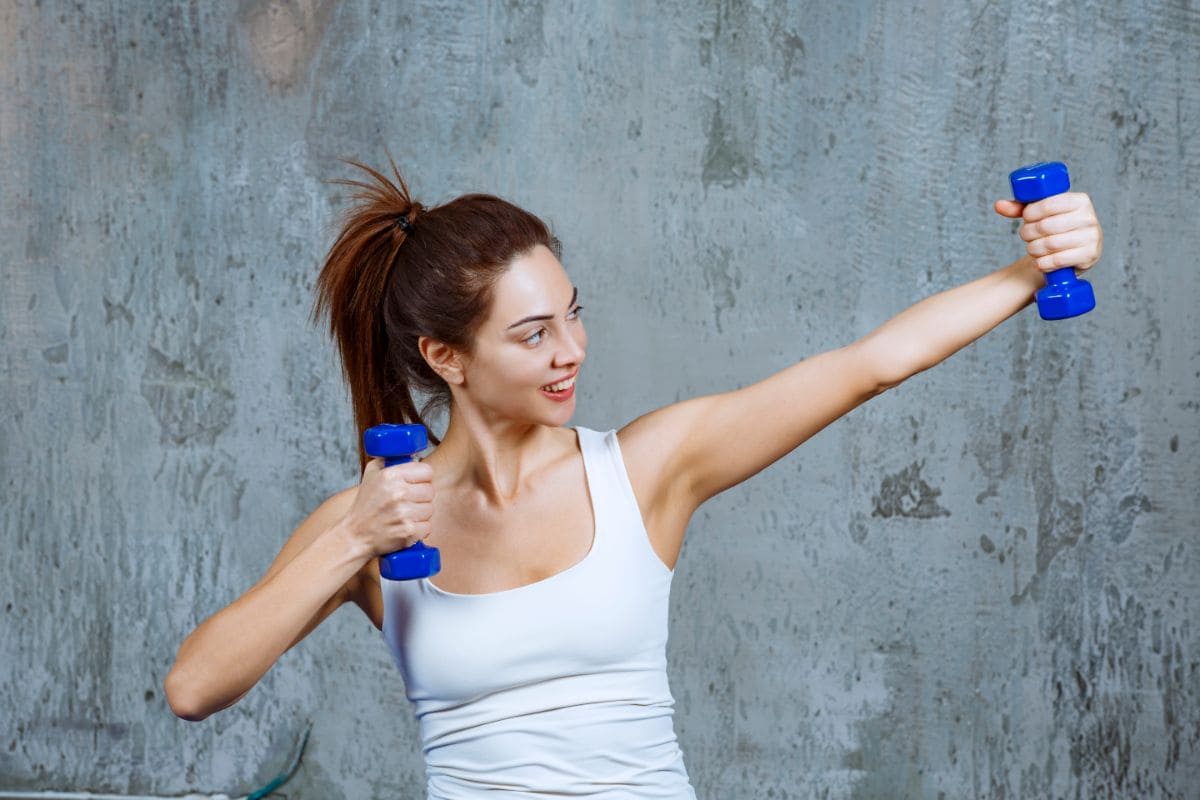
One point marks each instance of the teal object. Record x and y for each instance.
(1064, 295)
(397, 444)
(286, 775)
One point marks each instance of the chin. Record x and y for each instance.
(558, 417)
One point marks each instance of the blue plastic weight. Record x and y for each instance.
(1064, 295)
(397, 444)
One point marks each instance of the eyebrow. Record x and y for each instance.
(541, 317)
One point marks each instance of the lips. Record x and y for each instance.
(560, 397)
(553, 383)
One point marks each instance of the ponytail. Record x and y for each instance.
(398, 271)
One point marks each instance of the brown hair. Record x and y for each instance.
(388, 281)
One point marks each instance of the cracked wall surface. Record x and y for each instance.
(979, 584)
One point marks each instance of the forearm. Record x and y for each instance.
(230, 651)
(939, 326)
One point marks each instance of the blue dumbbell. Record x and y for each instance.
(397, 444)
(1064, 295)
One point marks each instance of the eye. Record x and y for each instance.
(536, 337)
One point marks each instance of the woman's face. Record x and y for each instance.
(531, 339)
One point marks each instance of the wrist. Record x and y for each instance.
(349, 541)
(1026, 271)
(1028, 267)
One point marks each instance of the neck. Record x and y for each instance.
(491, 457)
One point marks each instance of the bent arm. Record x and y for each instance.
(220, 661)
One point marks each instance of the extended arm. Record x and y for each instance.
(683, 454)
(711, 443)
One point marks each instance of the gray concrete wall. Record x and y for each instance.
(981, 584)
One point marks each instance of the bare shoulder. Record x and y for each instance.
(652, 446)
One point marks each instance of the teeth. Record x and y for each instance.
(561, 386)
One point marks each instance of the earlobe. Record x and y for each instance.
(442, 359)
(452, 373)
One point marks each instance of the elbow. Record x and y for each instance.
(183, 701)
(890, 381)
(888, 366)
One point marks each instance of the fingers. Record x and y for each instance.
(419, 492)
(1078, 257)
(1059, 223)
(412, 482)
(421, 512)
(416, 524)
(413, 472)
(394, 506)
(1008, 208)
(1056, 204)
(1062, 231)
(1048, 245)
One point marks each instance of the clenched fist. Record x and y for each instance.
(393, 507)
(1060, 231)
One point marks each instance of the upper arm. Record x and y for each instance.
(705, 445)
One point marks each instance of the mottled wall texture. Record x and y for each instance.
(983, 583)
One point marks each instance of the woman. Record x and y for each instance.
(536, 658)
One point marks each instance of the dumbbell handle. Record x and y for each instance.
(397, 444)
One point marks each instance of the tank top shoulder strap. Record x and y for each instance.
(612, 495)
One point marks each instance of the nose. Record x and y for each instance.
(573, 349)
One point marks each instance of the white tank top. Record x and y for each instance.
(554, 689)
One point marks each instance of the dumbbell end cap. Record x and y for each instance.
(1039, 181)
(394, 440)
(418, 561)
(1063, 301)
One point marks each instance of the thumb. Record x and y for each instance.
(1009, 208)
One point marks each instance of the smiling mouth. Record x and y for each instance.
(561, 386)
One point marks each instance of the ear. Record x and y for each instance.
(442, 359)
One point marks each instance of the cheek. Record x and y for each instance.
(515, 369)
(494, 370)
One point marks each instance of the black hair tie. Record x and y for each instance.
(403, 224)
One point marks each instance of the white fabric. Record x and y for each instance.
(554, 689)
